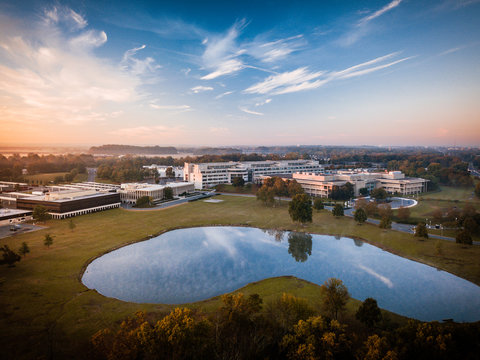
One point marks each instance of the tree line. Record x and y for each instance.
(287, 327)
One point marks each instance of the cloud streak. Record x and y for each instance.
(393, 4)
(245, 110)
(303, 79)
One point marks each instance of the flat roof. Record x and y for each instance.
(5, 213)
(74, 196)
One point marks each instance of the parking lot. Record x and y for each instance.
(23, 228)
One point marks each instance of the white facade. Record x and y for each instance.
(206, 175)
(393, 182)
(131, 192)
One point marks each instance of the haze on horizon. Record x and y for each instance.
(390, 72)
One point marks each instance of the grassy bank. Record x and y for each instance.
(444, 199)
(48, 178)
(45, 308)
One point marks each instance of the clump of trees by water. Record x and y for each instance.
(287, 327)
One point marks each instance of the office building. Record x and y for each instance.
(206, 175)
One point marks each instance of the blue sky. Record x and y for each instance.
(395, 72)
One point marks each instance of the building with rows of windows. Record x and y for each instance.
(206, 175)
(394, 182)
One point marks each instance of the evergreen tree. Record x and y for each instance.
(48, 240)
(337, 210)
(9, 257)
(318, 204)
(24, 249)
(300, 208)
(421, 231)
(360, 216)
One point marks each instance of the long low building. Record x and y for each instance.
(321, 184)
(70, 203)
(206, 175)
(131, 192)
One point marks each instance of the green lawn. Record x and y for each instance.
(444, 199)
(451, 194)
(50, 177)
(44, 306)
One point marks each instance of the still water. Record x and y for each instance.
(194, 264)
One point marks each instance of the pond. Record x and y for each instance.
(195, 264)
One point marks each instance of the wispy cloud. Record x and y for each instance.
(63, 14)
(271, 51)
(261, 103)
(136, 66)
(223, 94)
(56, 76)
(362, 27)
(170, 107)
(200, 88)
(302, 79)
(393, 4)
(148, 132)
(290, 81)
(245, 110)
(221, 53)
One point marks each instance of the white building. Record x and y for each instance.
(393, 182)
(162, 170)
(205, 175)
(131, 192)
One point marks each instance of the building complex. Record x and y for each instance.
(69, 203)
(131, 192)
(321, 184)
(206, 175)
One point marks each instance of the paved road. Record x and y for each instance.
(406, 228)
(5, 230)
(92, 174)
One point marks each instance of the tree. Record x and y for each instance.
(48, 240)
(371, 208)
(238, 181)
(464, 237)
(9, 257)
(421, 230)
(316, 338)
(266, 195)
(337, 210)
(288, 310)
(363, 191)
(40, 214)
(470, 225)
(385, 210)
(369, 313)
(300, 208)
(24, 249)
(403, 213)
(318, 204)
(71, 225)
(334, 297)
(477, 190)
(360, 216)
(379, 194)
(385, 223)
(168, 193)
(144, 201)
(169, 172)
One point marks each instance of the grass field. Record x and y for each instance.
(47, 312)
(444, 199)
(45, 179)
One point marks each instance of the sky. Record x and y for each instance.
(230, 73)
